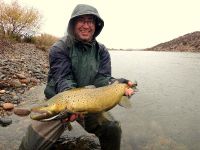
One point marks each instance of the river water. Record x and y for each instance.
(165, 113)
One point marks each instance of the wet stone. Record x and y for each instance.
(25, 81)
(21, 76)
(7, 106)
(2, 91)
(6, 97)
(16, 98)
(15, 83)
(2, 76)
(5, 121)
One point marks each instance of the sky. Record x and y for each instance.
(128, 24)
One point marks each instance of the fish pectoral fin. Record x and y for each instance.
(125, 102)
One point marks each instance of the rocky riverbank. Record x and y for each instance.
(22, 66)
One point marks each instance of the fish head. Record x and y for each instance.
(42, 112)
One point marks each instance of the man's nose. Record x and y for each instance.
(86, 24)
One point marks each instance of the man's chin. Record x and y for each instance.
(85, 39)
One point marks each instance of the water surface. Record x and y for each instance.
(166, 110)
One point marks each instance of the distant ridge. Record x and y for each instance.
(187, 43)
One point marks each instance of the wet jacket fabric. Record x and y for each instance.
(76, 64)
(80, 65)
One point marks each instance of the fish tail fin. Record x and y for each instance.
(125, 102)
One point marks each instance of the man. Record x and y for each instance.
(78, 60)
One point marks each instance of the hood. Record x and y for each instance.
(83, 9)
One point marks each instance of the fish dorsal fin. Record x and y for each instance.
(125, 102)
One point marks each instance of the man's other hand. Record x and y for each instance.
(130, 91)
(73, 117)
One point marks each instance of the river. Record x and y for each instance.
(165, 112)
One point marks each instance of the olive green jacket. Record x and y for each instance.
(76, 64)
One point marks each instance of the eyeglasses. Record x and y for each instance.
(89, 20)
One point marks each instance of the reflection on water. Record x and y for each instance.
(165, 113)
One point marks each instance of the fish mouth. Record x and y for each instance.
(39, 114)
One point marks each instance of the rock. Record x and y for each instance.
(45, 65)
(34, 80)
(21, 112)
(4, 84)
(7, 106)
(25, 81)
(21, 76)
(2, 91)
(5, 121)
(21, 91)
(15, 83)
(2, 76)
(5, 97)
(16, 98)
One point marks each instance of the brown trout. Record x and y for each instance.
(81, 100)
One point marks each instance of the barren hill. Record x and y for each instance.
(189, 42)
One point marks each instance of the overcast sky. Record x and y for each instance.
(128, 23)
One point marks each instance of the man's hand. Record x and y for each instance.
(130, 91)
(72, 117)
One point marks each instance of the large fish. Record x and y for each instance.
(82, 100)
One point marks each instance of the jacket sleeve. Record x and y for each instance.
(103, 76)
(60, 68)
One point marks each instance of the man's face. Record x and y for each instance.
(84, 28)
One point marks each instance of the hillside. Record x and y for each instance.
(189, 42)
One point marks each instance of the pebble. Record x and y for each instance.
(21, 76)
(25, 81)
(15, 83)
(21, 112)
(2, 91)
(16, 98)
(5, 121)
(8, 106)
